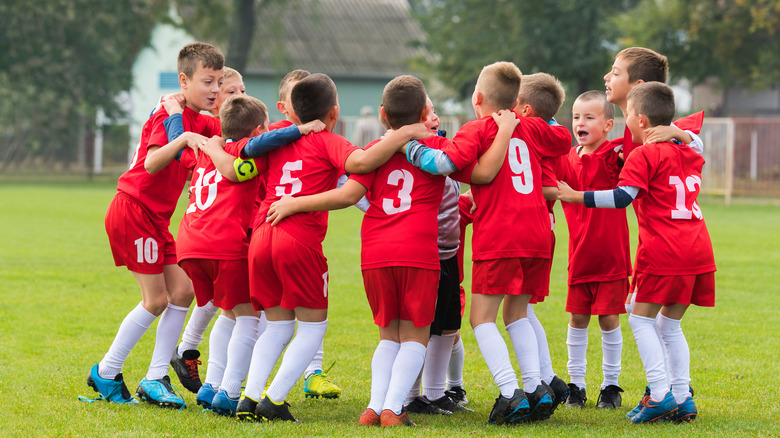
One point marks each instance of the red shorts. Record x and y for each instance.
(462, 301)
(543, 293)
(284, 272)
(510, 276)
(676, 289)
(224, 281)
(402, 292)
(137, 240)
(598, 297)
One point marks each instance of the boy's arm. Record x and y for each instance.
(342, 197)
(621, 197)
(268, 141)
(158, 157)
(223, 161)
(662, 133)
(365, 160)
(363, 203)
(490, 162)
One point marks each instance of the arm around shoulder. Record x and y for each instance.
(336, 199)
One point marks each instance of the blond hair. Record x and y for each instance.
(499, 84)
(543, 92)
(291, 78)
(232, 73)
(588, 96)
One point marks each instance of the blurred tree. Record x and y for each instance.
(570, 39)
(736, 41)
(60, 61)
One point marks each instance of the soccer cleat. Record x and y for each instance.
(577, 397)
(317, 385)
(205, 395)
(686, 411)
(445, 403)
(223, 404)
(656, 410)
(245, 410)
(270, 411)
(388, 419)
(421, 405)
(541, 403)
(457, 394)
(111, 390)
(186, 368)
(560, 391)
(369, 418)
(509, 410)
(159, 392)
(610, 397)
(639, 405)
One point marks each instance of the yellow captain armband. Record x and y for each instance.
(245, 168)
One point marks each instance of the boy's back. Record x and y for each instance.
(673, 239)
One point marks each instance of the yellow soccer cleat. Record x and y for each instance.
(317, 385)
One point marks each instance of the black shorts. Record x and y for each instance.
(448, 301)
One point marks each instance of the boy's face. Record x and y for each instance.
(617, 84)
(432, 120)
(230, 86)
(285, 105)
(202, 89)
(634, 124)
(588, 123)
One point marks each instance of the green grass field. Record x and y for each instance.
(63, 301)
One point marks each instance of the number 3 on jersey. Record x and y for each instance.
(405, 179)
(288, 179)
(520, 164)
(680, 211)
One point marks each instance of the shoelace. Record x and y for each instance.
(192, 367)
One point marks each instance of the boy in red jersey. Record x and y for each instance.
(400, 276)
(137, 225)
(675, 266)
(288, 272)
(599, 258)
(505, 256)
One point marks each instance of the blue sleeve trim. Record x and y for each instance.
(622, 198)
(174, 127)
(268, 141)
(430, 160)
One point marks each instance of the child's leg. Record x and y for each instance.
(407, 365)
(197, 324)
(455, 367)
(523, 340)
(490, 342)
(435, 369)
(545, 361)
(612, 349)
(239, 350)
(219, 340)
(679, 353)
(316, 362)
(651, 351)
(577, 346)
(381, 371)
(414, 392)
(267, 350)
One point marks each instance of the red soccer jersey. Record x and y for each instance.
(400, 227)
(159, 192)
(307, 166)
(599, 247)
(673, 239)
(218, 215)
(692, 122)
(261, 179)
(511, 219)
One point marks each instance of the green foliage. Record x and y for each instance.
(736, 41)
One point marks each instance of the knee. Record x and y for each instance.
(155, 305)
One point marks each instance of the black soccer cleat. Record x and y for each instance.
(447, 404)
(421, 405)
(610, 398)
(560, 390)
(577, 397)
(267, 410)
(509, 410)
(186, 368)
(457, 394)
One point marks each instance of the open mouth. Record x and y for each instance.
(582, 134)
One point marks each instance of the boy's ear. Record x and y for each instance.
(259, 129)
(643, 121)
(334, 112)
(477, 98)
(183, 81)
(526, 110)
(281, 107)
(610, 124)
(382, 114)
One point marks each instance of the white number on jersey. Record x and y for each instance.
(287, 178)
(209, 182)
(146, 250)
(520, 164)
(405, 179)
(680, 211)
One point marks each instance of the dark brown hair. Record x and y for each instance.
(199, 54)
(404, 100)
(313, 97)
(645, 64)
(240, 115)
(543, 92)
(655, 100)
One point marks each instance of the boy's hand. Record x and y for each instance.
(286, 206)
(194, 141)
(313, 126)
(506, 119)
(212, 145)
(173, 103)
(565, 192)
(467, 194)
(659, 134)
(416, 131)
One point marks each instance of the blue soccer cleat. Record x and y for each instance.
(656, 410)
(509, 410)
(639, 405)
(541, 402)
(686, 411)
(159, 392)
(223, 404)
(111, 390)
(205, 395)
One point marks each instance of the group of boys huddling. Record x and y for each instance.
(250, 241)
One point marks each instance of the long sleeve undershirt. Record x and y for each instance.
(620, 197)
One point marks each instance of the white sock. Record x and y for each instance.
(316, 362)
(577, 345)
(268, 348)
(381, 371)
(414, 392)
(239, 353)
(219, 340)
(527, 353)
(131, 330)
(679, 356)
(651, 353)
(406, 368)
(496, 355)
(434, 370)
(168, 328)
(667, 371)
(300, 353)
(196, 326)
(630, 305)
(612, 350)
(455, 368)
(545, 361)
